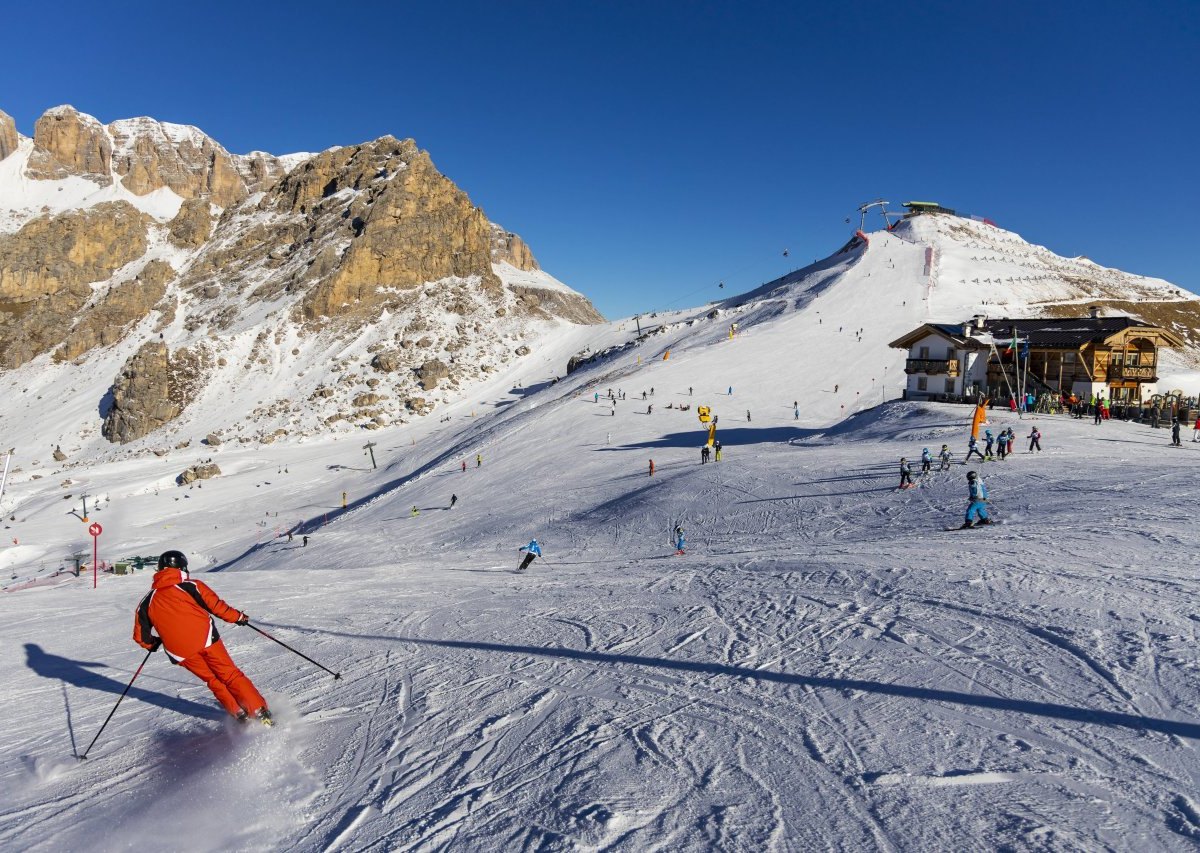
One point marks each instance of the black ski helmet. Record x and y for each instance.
(172, 560)
(971, 475)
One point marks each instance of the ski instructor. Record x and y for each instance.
(177, 614)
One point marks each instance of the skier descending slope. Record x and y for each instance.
(177, 615)
(906, 480)
(926, 460)
(532, 551)
(680, 542)
(977, 508)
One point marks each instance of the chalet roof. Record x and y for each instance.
(1047, 332)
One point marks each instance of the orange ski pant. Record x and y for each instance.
(232, 688)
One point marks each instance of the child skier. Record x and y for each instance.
(978, 495)
(177, 614)
(1175, 432)
(679, 540)
(1035, 438)
(532, 551)
(926, 460)
(945, 457)
(906, 480)
(1012, 437)
(987, 435)
(1002, 445)
(973, 447)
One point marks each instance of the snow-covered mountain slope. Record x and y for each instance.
(826, 666)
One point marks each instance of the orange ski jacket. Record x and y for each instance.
(179, 611)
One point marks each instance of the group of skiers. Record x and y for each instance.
(1001, 444)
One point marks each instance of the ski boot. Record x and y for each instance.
(985, 521)
(263, 715)
(967, 525)
(242, 717)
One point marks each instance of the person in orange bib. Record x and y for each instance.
(177, 614)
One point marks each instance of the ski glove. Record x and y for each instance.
(244, 619)
(154, 645)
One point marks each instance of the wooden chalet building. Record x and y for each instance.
(1116, 356)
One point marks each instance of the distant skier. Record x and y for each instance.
(795, 411)
(704, 454)
(1175, 432)
(717, 450)
(747, 416)
(453, 500)
(978, 495)
(1012, 437)
(989, 440)
(651, 467)
(478, 459)
(1035, 439)
(973, 447)
(1002, 445)
(730, 391)
(906, 480)
(650, 409)
(689, 390)
(532, 551)
(303, 541)
(680, 542)
(415, 511)
(945, 457)
(464, 466)
(1196, 429)
(926, 460)
(177, 614)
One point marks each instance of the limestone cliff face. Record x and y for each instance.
(8, 135)
(151, 390)
(68, 142)
(107, 321)
(511, 249)
(416, 227)
(148, 154)
(47, 268)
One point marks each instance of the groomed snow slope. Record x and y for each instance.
(827, 667)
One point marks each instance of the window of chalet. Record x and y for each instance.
(950, 384)
(922, 383)
(951, 354)
(1068, 358)
(1118, 358)
(922, 352)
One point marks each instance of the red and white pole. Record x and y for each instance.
(95, 529)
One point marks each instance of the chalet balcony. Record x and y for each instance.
(931, 366)
(1142, 373)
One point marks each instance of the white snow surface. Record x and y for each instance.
(827, 667)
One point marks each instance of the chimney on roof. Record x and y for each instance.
(1094, 311)
(966, 329)
(979, 319)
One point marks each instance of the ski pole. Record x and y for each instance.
(114, 710)
(336, 675)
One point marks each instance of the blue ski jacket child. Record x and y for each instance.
(977, 508)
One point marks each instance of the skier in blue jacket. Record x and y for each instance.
(926, 460)
(532, 551)
(972, 447)
(679, 540)
(978, 494)
(987, 435)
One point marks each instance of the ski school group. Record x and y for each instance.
(977, 494)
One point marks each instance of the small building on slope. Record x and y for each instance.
(1116, 356)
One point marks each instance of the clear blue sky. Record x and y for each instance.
(647, 150)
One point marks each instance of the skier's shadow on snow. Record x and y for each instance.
(80, 674)
(730, 438)
(1052, 710)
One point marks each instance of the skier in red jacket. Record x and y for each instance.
(177, 615)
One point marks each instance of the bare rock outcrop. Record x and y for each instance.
(9, 139)
(558, 303)
(415, 226)
(511, 249)
(431, 373)
(125, 304)
(149, 154)
(192, 226)
(68, 142)
(202, 471)
(152, 390)
(47, 268)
